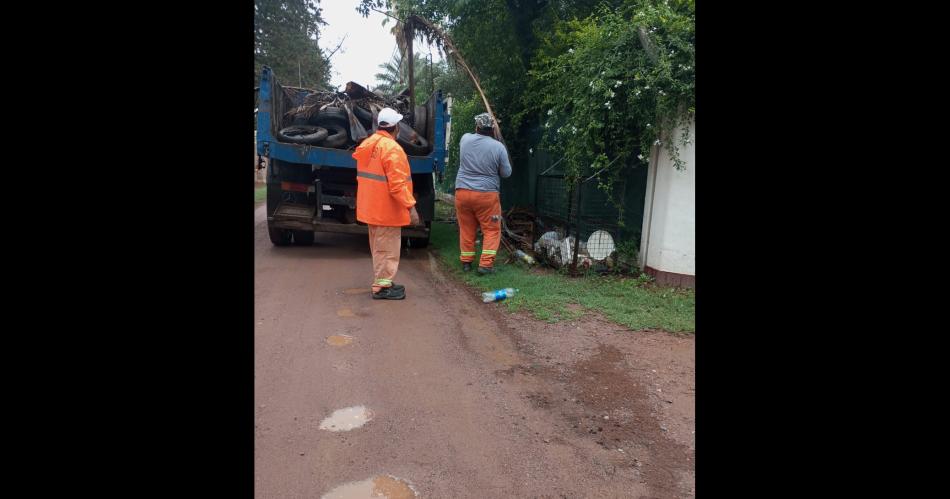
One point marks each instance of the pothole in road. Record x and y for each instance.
(386, 486)
(347, 419)
(339, 340)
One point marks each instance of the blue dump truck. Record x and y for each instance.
(311, 174)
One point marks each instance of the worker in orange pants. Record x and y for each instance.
(483, 162)
(384, 201)
(476, 209)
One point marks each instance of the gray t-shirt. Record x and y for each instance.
(483, 162)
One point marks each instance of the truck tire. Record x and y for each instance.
(331, 116)
(337, 138)
(303, 238)
(302, 134)
(365, 117)
(420, 242)
(411, 142)
(420, 120)
(279, 237)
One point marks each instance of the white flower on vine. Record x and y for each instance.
(640, 157)
(657, 142)
(573, 129)
(648, 125)
(550, 112)
(547, 125)
(592, 84)
(603, 73)
(607, 104)
(612, 94)
(570, 51)
(638, 93)
(531, 150)
(617, 84)
(646, 87)
(661, 93)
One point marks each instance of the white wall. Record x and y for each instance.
(668, 242)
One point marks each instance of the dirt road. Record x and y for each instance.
(443, 396)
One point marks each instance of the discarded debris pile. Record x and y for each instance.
(341, 120)
(518, 229)
(554, 246)
(355, 94)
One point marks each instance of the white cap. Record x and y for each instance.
(388, 117)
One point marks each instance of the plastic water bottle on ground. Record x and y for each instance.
(524, 257)
(498, 294)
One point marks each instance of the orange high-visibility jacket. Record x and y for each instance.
(383, 182)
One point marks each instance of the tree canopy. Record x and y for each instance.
(286, 38)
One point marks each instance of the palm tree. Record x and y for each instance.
(389, 80)
(394, 77)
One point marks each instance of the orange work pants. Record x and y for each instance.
(476, 209)
(384, 244)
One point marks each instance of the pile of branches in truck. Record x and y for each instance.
(341, 120)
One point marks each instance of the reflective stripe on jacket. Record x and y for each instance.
(384, 183)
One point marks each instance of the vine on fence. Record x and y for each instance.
(614, 85)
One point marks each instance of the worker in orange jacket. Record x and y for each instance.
(384, 201)
(483, 162)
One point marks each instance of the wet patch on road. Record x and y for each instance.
(339, 340)
(386, 486)
(347, 419)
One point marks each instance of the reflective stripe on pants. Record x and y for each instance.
(476, 209)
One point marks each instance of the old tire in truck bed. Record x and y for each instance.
(331, 116)
(413, 143)
(337, 138)
(365, 117)
(302, 134)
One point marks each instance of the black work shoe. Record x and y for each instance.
(486, 270)
(466, 266)
(390, 293)
(398, 287)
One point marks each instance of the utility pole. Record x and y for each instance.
(412, 76)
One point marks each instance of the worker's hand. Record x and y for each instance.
(414, 217)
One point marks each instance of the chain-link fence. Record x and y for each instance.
(578, 226)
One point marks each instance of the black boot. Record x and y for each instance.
(466, 266)
(390, 293)
(486, 270)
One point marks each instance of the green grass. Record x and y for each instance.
(553, 297)
(260, 193)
